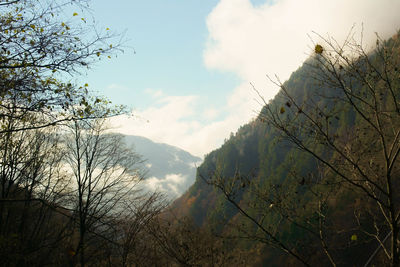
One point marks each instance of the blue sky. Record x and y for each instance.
(188, 82)
(168, 38)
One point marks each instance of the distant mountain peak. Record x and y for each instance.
(171, 170)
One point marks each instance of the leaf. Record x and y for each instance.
(354, 237)
(75, 14)
(282, 110)
(319, 49)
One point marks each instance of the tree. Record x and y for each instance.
(69, 190)
(133, 244)
(32, 185)
(40, 47)
(178, 241)
(105, 175)
(362, 154)
(345, 131)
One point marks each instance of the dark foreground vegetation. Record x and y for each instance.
(313, 181)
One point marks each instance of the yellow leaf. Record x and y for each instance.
(98, 54)
(282, 110)
(71, 252)
(107, 29)
(354, 237)
(75, 14)
(33, 26)
(86, 85)
(319, 49)
(63, 24)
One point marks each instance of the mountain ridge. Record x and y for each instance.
(260, 164)
(170, 169)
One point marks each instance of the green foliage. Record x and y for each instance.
(269, 174)
(40, 48)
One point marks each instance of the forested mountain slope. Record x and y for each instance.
(313, 178)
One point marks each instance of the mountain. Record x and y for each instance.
(303, 175)
(169, 169)
(255, 150)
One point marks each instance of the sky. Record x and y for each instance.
(187, 65)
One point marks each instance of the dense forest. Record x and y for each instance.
(313, 180)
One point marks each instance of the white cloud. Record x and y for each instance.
(211, 113)
(169, 120)
(171, 184)
(272, 39)
(176, 120)
(252, 41)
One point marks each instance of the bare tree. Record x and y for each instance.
(105, 174)
(131, 236)
(32, 186)
(347, 123)
(46, 199)
(178, 241)
(363, 154)
(257, 211)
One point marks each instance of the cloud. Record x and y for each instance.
(168, 120)
(252, 41)
(172, 184)
(178, 121)
(211, 113)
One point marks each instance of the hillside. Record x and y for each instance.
(169, 169)
(285, 181)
